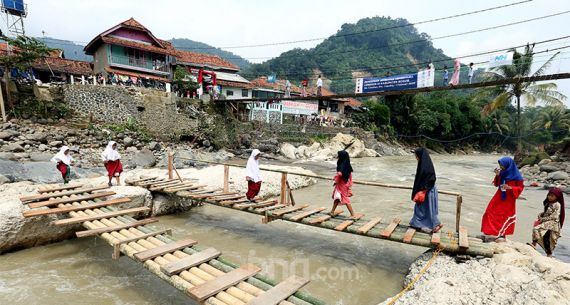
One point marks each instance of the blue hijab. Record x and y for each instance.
(510, 173)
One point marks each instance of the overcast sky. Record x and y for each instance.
(226, 23)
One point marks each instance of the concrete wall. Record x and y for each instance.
(100, 60)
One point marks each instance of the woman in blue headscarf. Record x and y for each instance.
(500, 217)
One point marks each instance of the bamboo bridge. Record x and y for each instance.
(285, 209)
(202, 273)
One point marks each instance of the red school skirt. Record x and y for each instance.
(114, 168)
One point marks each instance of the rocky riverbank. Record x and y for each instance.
(548, 173)
(17, 232)
(516, 275)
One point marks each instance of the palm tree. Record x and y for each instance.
(532, 92)
(553, 119)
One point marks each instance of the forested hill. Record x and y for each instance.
(200, 47)
(364, 45)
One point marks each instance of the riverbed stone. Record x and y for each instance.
(549, 168)
(128, 141)
(288, 151)
(558, 175)
(144, 158)
(13, 147)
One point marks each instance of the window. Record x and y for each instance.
(229, 93)
(244, 93)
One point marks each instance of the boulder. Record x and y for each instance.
(132, 149)
(43, 147)
(288, 151)
(55, 143)
(144, 158)
(40, 156)
(154, 146)
(550, 167)
(38, 137)
(13, 148)
(558, 175)
(128, 141)
(8, 156)
(8, 134)
(4, 179)
(544, 162)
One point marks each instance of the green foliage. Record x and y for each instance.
(337, 56)
(320, 138)
(26, 51)
(130, 125)
(376, 118)
(183, 80)
(32, 107)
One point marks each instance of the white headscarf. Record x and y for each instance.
(110, 154)
(252, 169)
(62, 157)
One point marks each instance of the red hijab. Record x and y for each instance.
(560, 198)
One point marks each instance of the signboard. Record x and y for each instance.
(424, 78)
(502, 59)
(306, 108)
(15, 6)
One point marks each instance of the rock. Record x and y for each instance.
(40, 172)
(22, 155)
(558, 175)
(8, 134)
(132, 149)
(549, 168)
(8, 156)
(38, 137)
(206, 143)
(144, 158)
(4, 179)
(128, 141)
(544, 162)
(154, 146)
(55, 143)
(288, 151)
(13, 148)
(38, 156)
(59, 137)
(43, 147)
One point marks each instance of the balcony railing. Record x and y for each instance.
(142, 63)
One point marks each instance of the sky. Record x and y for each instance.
(227, 23)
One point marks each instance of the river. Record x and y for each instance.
(344, 269)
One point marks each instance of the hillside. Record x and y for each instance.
(338, 56)
(70, 49)
(200, 47)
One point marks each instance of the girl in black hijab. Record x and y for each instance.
(424, 194)
(343, 183)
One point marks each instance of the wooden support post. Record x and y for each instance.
(170, 165)
(2, 107)
(226, 178)
(458, 213)
(83, 79)
(283, 188)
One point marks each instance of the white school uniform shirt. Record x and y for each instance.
(319, 82)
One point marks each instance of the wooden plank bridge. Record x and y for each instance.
(202, 273)
(282, 209)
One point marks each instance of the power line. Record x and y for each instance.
(369, 31)
(506, 137)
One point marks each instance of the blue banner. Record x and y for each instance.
(389, 83)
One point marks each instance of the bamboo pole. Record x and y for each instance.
(170, 164)
(458, 213)
(226, 178)
(283, 195)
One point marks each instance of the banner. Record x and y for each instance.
(502, 59)
(424, 78)
(306, 108)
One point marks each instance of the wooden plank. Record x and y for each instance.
(190, 261)
(463, 237)
(288, 210)
(220, 198)
(232, 202)
(283, 188)
(164, 249)
(306, 214)
(53, 202)
(40, 197)
(128, 225)
(151, 182)
(281, 292)
(183, 187)
(214, 195)
(255, 205)
(76, 207)
(221, 283)
(345, 224)
(269, 208)
(390, 228)
(436, 238)
(117, 245)
(74, 220)
(59, 188)
(206, 191)
(161, 187)
(141, 180)
(226, 179)
(369, 225)
(324, 218)
(167, 182)
(409, 235)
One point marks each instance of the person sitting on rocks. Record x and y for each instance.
(253, 175)
(64, 160)
(547, 226)
(112, 161)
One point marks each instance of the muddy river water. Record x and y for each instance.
(344, 269)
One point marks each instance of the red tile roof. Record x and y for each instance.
(135, 74)
(63, 65)
(201, 59)
(279, 85)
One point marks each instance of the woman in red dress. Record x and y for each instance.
(64, 160)
(342, 184)
(112, 161)
(500, 217)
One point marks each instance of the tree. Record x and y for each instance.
(532, 92)
(183, 80)
(23, 53)
(553, 120)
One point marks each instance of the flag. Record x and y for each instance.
(272, 78)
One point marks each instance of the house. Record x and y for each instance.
(264, 89)
(231, 84)
(131, 50)
(56, 67)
